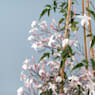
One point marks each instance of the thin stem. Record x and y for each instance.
(84, 29)
(68, 17)
(66, 36)
(90, 32)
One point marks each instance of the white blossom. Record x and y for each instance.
(73, 78)
(31, 81)
(51, 40)
(24, 66)
(39, 86)
(33, 30)
(65, 90)
(84, 19)
(91, 86)
(65, 42)
(31, 37)
(41, 72)
(27, 61)
(52, 87)
(58, 79)
(43, 23)
(20, 91)
(34, 23)
(34, 45)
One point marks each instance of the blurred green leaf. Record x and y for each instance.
(61, 20)
(78, 66)
(49, 6)
(48, 12)
(45, 55)
(62, 62)
(62, 4)
(43, 13)
(73, 28)
(86, 63)
(89, 35)
(91, 12)
(62, 10)
(93, 64)
(55, 3)
(93, 41)
(75, 22)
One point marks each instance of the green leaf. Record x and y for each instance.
(93, 64)
(93, 41)
(91, 12)
(89, 35)
(48, 12)
(73, 3)
(62, 5)
(62, 10)
(54, 8)
(43, 13)
(86, 63)
(49, 6)
(73, 28)
(45, 55)
(61, 20)
(78, 66)
(75, 22)
(72, 13)
(57, 57)
(62, 62)
(55, 3)
(65, 15)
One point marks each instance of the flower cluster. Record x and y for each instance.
(43, 77)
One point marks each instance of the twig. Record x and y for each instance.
(84, 29)
(66, 36)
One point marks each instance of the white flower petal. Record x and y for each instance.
(65, 42)
(34, 23)
(58, 79)
(20, 91)
(24, 66)
(31, 37)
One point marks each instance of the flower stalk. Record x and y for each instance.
(84, 29)
(66, 36)
(67, 19)
(90, 31)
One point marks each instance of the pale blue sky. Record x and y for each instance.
(15, 20)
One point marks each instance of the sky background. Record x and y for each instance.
(16, 17)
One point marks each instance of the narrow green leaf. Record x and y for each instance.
(45, 55)
(78, 66)
(49, 6)
(62, 10)
(55, 3)
(89, 35)
(48, 12)
(93, 64)
(62, 62)
(85, 61)
(75, 22)
(93, 41)
(54, 8)
(62, 5)
(73, 28)
(43, 13)
(61, 20)
(91, 12)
